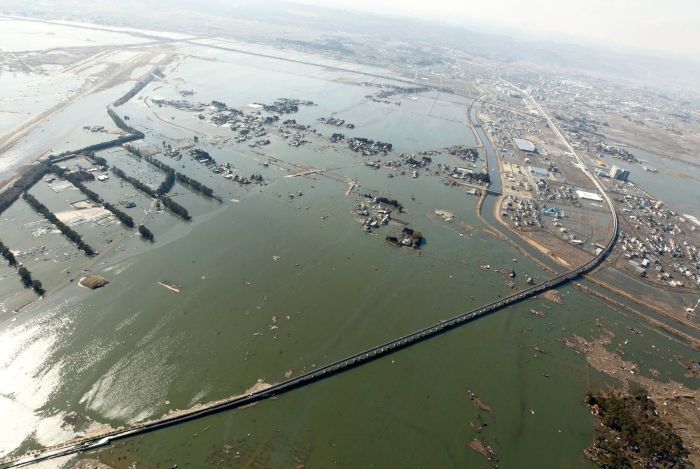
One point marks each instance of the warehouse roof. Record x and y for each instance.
(524, 145)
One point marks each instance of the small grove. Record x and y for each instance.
(76, 180)
(631, 432)
(173, 175)
(22, 271)
(158, 194)
(145, 233)
(67, 231)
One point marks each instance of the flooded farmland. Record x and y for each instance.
(281, 276)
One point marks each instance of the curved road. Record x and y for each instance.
(338, 366)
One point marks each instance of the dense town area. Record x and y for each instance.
(546, 191)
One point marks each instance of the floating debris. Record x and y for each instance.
(172, 286)
(445, 215)
(93, 282)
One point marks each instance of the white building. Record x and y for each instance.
(524, 145)
(588, 196)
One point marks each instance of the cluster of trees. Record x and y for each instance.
(132, 92)
(80, 175)
(167, 202)
(77, 183)
(98, 159)
(135, 182)
(22, 271)
(30, 177)
(176, 208)
(7, 254)
(119, 122)
(114, 143)
(29, 282)
(135, 151)
(633, 433)
(165, 186)
(145, 233)
(416, 236)
(202, 156)
(167, 183)
(385, 200)
(123, 218)
(67, 231)
(181, 178)
(482, 177)
(196, 186)
(92, 195)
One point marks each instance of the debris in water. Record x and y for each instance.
(93, 281)
(478, 402)
(553, 296)
(485, 451)
(445, 215)
(172, 286)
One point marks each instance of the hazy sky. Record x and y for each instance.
(658, 25)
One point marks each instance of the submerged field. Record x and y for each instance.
(278, 278)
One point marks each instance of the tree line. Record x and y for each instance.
(181, 178)
(97, 159)
(74, 179)
(121, 216)
(30, 177)
(167, 184)
(197, 186)
(22, 271)
(170, 204)
(67, 231)
(176, 208)
(116, 142)
(35, 172)
(119, 122)
(7, 254)
(141, 84)
(632, 433)
(145, 233)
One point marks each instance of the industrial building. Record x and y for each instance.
(588, 196)
(619, 173)
(525, 145)
(539, 172)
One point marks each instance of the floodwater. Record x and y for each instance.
(273, 286)
(676, 183)
(18, 35)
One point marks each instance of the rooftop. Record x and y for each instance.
(539, 171)
(589, 196)
(524, 145)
